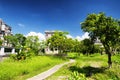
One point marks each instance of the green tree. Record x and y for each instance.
(11, 40)
(42, 46)
(77, 46)
(87, 46)
(69, 45)
(1, 41)
(33, 43)
(17, 40)
(20, 40)
(106, 29)
(57, 41)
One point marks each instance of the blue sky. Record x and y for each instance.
(25, 16)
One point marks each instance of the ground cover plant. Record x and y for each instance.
(13, 70)
(92, 67)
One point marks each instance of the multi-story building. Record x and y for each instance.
(4, 31)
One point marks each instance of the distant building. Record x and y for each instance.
(98, 42)
(48, 34)
(4, 30)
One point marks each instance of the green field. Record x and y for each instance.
(92, 67)
(20, 70)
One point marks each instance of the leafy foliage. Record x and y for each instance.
(57, 41)
(76, 76)
(1, 41)
(106, 29)
(33, 43)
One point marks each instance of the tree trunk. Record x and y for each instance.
(109, 60)
(107, 49)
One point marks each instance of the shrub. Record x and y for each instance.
(76, 76)
(13, 56)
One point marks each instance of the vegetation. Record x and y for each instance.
(76, 76)
(25, 46)
(14, 70)
(33, 43)
(88, 46)
(57, 41)
(1, 41)
(27, 62)
(91, 67)
(106, 29)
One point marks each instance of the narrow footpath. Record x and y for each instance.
(49, 72)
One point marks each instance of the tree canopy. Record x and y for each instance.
(57, 41)
(106, 29)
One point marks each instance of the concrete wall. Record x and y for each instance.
(3, 52)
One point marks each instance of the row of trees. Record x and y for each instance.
(63, 44)
(31, 45)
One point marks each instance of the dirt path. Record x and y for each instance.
(49, 72)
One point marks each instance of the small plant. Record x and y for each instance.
(77, 76)
(13, 56)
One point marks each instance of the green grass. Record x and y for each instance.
(94, 67)
(72, 55)
(14, 70)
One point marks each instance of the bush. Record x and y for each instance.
(21, 55)
(76, 76)
(13, 56)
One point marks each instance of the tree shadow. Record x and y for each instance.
(88, 70)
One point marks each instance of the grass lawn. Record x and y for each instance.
(21, 70)
(93, 67)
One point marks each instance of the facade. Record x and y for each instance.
(48, 34)
(5, 30)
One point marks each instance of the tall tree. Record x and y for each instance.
(106, 29)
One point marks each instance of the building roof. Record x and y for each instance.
(2, 23)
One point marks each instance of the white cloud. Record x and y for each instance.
(85, 35)
(40, 35)
(69, 36)
(21, 25)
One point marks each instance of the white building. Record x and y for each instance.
(5, 30)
